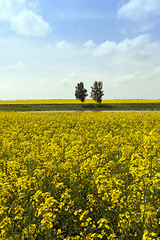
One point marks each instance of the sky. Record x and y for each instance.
(48, 46)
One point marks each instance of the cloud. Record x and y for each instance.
(9, 8)
(138, 48)
(89, 44)
(63, 44)
(106, 48)
(17, 65)
(27, 23)
(68, 80)
(139, 9)
(23, 20)
(156, 70)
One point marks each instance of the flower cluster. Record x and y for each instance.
(79, 176)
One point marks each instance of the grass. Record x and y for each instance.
(80, 107)
(76, 105)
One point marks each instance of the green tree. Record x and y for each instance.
(80, 92)
(97, 91)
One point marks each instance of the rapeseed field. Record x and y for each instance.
(80, 176)
(88, 101)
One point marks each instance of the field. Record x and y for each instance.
(31, 102)
(69, 105)
(80, 176)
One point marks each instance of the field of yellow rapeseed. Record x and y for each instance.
(63, 101)
(79, 176)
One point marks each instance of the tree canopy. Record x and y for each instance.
(97, 91)
(81, 92)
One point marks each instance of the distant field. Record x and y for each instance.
(78, 102)
(75, 105)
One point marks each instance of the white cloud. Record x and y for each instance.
(89, 44)
(27, 23)
(138, 48)
(17, 66)
(63, 44)
(139, 9)
(106, 48)
(23, 20)
(157, 70)
(9, 8)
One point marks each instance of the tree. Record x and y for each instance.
(81, 92)
(97, 92)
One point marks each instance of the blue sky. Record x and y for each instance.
(47, 47)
